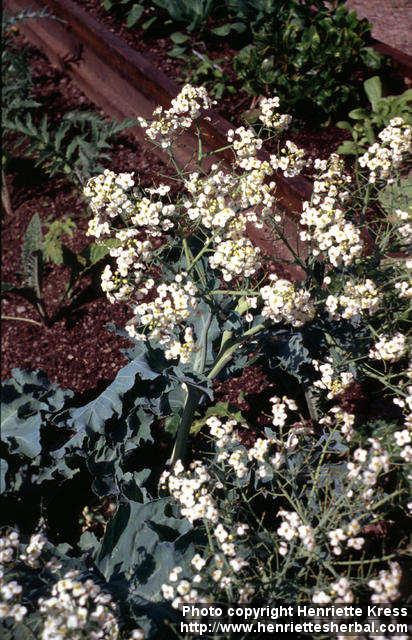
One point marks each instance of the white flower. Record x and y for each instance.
(269, 115)
(285, 302)
(389, 349)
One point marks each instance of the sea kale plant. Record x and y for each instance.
(304, 499)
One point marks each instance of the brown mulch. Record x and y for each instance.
(77, 351)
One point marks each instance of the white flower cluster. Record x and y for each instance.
(332, 381)
(404, 288)
(344, 420)
(324, 216)
(10, 590)
(165, 315)
(215, 201)
(184, 590)
(181, 590)
(347, 535)
(271, 117)
(291, 160)
(383, 157)
(30, 556)
(285, 302)
(75, 607)
(406, 404)
(292, 528)
(404, 228)
(132, 247)
(389, 349)
(184, 109)
(366, 467)
(212, 199)
(356, 299)
(403, 440)
(131, 256)
(385, 586)
(246, 144)
(280, 408)
(192, 491)
(9, 544)
(108, 198)
(235, 257)
(338, 592)
(10, 594)
(237, 457)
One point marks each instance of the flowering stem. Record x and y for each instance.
(366, 561)
(223, 292)
(199, 255)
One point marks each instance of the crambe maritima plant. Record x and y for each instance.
(194, 278)
(305, 495)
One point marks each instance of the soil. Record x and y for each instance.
(77, 351)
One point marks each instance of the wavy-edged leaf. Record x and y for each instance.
(25, 400)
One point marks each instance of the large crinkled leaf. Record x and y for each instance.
(134, 540)
(93, 416)
(26, 399)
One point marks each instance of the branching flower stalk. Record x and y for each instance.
(190, 315)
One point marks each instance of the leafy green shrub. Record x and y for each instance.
(15, 96)
(368, 122)
(310, 59)
(201, 70)
(311, 54)
(290, 508)
(193, 15)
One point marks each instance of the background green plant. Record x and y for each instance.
(311, 54)
(309, 59)
(39, 248)
(74, 147)
(368, 122)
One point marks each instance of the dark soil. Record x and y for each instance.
(77, 351)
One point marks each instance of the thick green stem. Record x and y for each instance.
(191, 404)
(227, 353)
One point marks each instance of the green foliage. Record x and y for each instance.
(201, 70)
(193, 14)
(312, 451)
(26, 399)
(74, 149)
(307, 53)
(309, 59)
(38, 249)
(369, 121)
(52, 242)
(16, 77)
